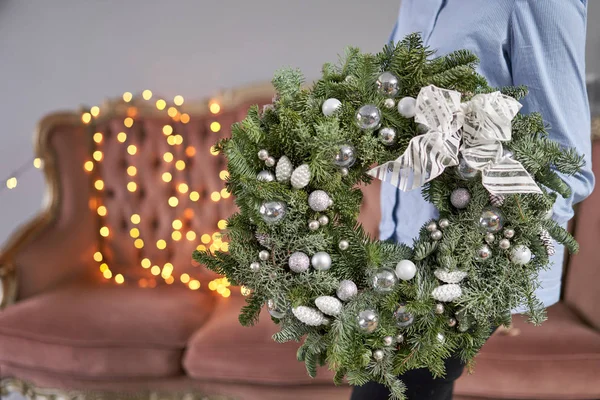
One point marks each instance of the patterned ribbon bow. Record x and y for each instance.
(481, 124)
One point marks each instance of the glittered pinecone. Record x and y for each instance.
(283, 171)
(548, 242)
(447, 293)
(309, 316)
(449, 276)
(496, 199)
(263, 238)
(301, 176)
(329, 305)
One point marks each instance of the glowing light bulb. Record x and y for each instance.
(176, 236)
(103, 267)
(135, 219)
(37, 163)
(11, 183)
(168, 156)
(155, 270)
(107, 274)
(224, 175)
(104, 231)
(201, 247)
(188, 213)
(97, 137)
(167, 270)
(97, 155)
(194, 284)
(225, 193)
(190, 235)
(185, 118)
(131, 170)
(138, 243)
(225, 247)
(173, 201)
(205, 238)
(215, 126)
(214, 108)
(180, 165)
(119, 279)
(178, 100)
(128, 122)
(183, 188)
(97, 256)
(190, 151)
(99, 184)
(177, 224)
(88, 166)
(146, 263)
(221, 289)
(170, 280)
(194, 196)
(132, 186)
(132, 112)
(172, 112)
(161, 104)
(86, 118)
(127, 96)
(161, 244)
(167, 130)
(215, 196)
(166, 177)
(122, 137)
(185, 278)
(217, 236)
(226, 293)
(214, 151)
(171, 140)
(147, 94)
(222, 224)
(245, 291)
(101, 211)
(178, 139)
(132, 149)
(134, 233)
(212, 285)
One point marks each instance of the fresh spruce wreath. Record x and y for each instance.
(371, 309)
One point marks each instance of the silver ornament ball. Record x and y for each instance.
(330, 106)
(346, 156)
(387, 136)
(441, 338)
(403, 318)
(368, 117)
(319, 200)
(270, 161)
(483, 253)
(299, 262)
(491, 220)
(399, 338)
(436, 235)
(313, 225)
(343, 245)
(432, 226)
(264, 255)
(388, 341)
(520, 255)
(346, 290)
(489, 238)
(388, 84)
(439, 308)
(509, 233)
(451, 322)
(255, 266)
(378, 355)
(275, 311)
(263, 154)
(323, 220)
(389, 103)
(444, 223)
(273, 211)
(504, 244)
(460, 198)
(368, 320)
(406, 270)
(384, 280)
(465, 171)
(321, 261)
(407, 107)
(344, 171)
(265, 176)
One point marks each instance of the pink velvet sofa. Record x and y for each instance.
(69, 332)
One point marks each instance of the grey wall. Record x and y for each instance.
(63, 53)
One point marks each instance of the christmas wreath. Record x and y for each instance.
(373, 309)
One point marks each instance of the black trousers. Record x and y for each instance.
(420, 384)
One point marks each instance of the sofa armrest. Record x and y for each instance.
(59, 243)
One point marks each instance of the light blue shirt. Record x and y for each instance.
(537, 43)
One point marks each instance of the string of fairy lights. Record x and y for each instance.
(12, 180)
(175, 158)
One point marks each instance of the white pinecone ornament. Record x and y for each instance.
(447, 293)
(263, 238)
(329, 305)
(309, 316)
(283, 171)
(301, 176)
(449, 276)
(548, 242)
(496, 199)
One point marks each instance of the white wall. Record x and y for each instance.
(63, 53)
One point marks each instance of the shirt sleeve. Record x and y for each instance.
(547, 54)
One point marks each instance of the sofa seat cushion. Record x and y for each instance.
(558, 360)
(223, 350)
(98, 330)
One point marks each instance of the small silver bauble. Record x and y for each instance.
(406, 270)
(388, 341)
(343, 245)
(483, 253)
(255, 266)
(321, 261)
(344, 171)
(323, 220)
(368, 117)
(265, 176)
(313, 225)
(346, 290)
(270, 161)
(319, 200)
(263, 154)
(504, 244)
(432, 226)
(407, 107)
(272, 211)
(509, 233)
(299, 262)
(330, 106)
(439, 308)
(444, 223)
(378, 355)
(403, 318)
(460, 198)
(384, 280)
(491, 220)
(399, 338)
(368, 320)
(388, 84)
(274, 310)
(389, 103)
(264, 255)
(451, 322)
(489, 238)
(387, 136)
(520, 255)
(346, 156)
(272, 275)
(441, 338)
(465, 171)
(436, 235)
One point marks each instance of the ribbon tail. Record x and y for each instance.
(508, 176)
